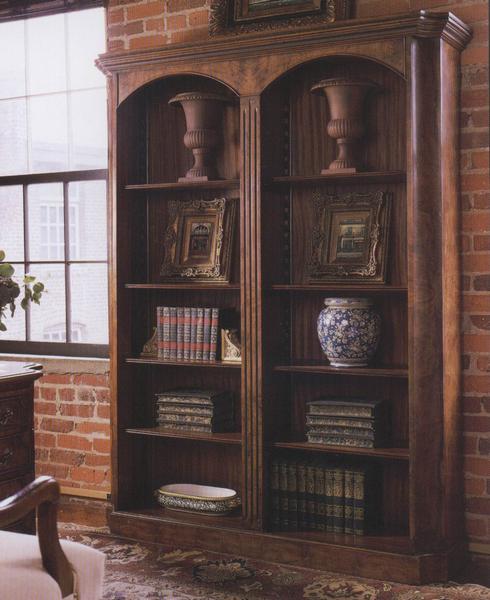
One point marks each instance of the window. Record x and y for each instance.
(53, 171)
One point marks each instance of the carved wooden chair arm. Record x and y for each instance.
(42, 495)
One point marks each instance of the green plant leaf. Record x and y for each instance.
(38, 287)
(6, 270)
(2, 255)
(2, 327)
(29, 278)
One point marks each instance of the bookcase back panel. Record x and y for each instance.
(189, 461)
(304, 219)
(168, 158)
(392, 348)
(394, 393)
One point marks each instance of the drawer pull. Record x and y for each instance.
(7, 416)
(6, 457)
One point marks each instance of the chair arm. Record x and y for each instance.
(43, 495)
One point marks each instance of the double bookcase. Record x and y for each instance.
(273, 148)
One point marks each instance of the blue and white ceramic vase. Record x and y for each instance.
(349, 330)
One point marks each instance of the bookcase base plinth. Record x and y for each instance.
(384, 558)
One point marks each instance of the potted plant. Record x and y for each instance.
(10, 290)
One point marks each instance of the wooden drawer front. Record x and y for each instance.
(14, 415)
(15, 452)
(12, 486)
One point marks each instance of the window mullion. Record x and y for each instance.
(25, 202)
(66, 215)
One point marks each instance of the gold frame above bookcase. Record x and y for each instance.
(273, 148)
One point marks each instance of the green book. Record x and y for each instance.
(292, 496)
(320, 497)
(310, 497)
(359, 501)
(275, 500)
(338, 500)
(349, 501)
(302, 509)
(329, 499)
(283, 495)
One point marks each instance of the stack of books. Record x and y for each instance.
(354, 422)
(187, 334)
(203, 411)
(318, 496)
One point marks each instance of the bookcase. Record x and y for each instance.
(273, 149)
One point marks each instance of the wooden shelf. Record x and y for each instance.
(218, 184)
(158, 513)
(336, 178)
(214, 438)
(388, 453)
(339, 288)
(357, 371)
(190, 363)
(222, 287)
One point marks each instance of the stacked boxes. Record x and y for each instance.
(354, 422)
(187, 334)
(204, 411)
(317, 496)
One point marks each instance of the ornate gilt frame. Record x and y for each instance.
(222, 20)
(368, 271)
(222, 210)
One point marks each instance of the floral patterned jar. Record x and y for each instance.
(348, 330)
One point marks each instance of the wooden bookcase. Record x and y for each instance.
(274, 147)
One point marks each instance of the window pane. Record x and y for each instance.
(89, 129)
(86, 40)
(13, 137)
(16, 326)
(12, 71)
(89, 303)
(46, 224)
(48, 137)
(46, 54)
(12, 222)
(48, 319)
(88, 220)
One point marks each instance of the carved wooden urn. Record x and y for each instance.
(346, 99)
(203, 116)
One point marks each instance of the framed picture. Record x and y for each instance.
(350, 237)
(248, 16)
(198, 241)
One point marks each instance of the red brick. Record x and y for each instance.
(116, 45)
(91, 427)
(57, 471)
(470, 445)
(481, 242)
(479, 118)
(478, 506)
(474, 139)
(485, 402)
(474, 342)
(176, 22)
(199, 18)
(45, 408)
(147, 9)
(41, 454)
(472, 302)
(88, 475)
(476, 383)
(126, 29)
(155, 24)
(484, 446)
(148, 41)
(77, 410)
(476, 526)
(474, 486)
(66, 457)
(47, 440)
(483, 363)
(104, 411)
(86, 394)
(481, 283)
(378, 7)
(57, 425)
(56, 379)
(481, 321)
(474, 55)
(189, 35)
(92, 380)
(48, 393)
(97, 460)
(474, 181)
(477, 466)
(74, 442)
(481, 200)
(475, 75)
(478, 423)
(472, 404)
(66, 394)
(180, 5)
(115, 16)
(471, 98)
(478, 222)
(476, 263)
(103, 395)
(102, 445)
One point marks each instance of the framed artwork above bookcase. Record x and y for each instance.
(271, 152)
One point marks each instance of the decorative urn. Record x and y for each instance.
(203, 116)
(349, 330)
(345, 99)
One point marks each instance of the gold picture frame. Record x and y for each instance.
(350, 237)
(198, 241)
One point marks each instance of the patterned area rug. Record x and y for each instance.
(138, 571)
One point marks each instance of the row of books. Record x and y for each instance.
(204, 411)
(187, 334)
(317, 496)
(354, 422)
